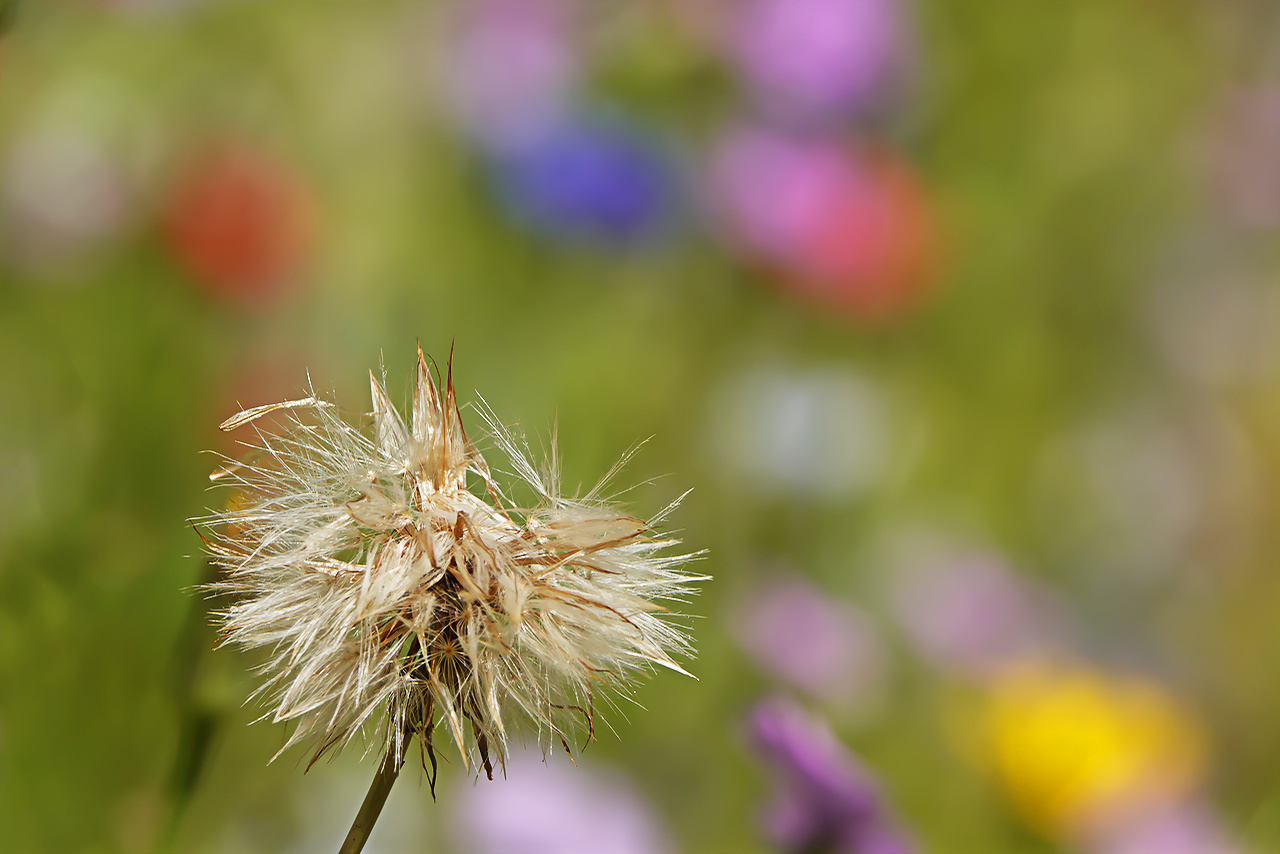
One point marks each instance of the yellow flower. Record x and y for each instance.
(1075, 747)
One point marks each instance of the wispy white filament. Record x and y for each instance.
(384, 590)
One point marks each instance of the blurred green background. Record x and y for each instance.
(1036, 332)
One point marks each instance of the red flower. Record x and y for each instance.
(874, 254)
(242, 222)
(845, 225)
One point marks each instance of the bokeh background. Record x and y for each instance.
(959, 318)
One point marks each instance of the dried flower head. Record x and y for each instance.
(387, 591)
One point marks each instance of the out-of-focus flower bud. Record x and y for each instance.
(782, 431)
(1242, 165)
(1188, 828)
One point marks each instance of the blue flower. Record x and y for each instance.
(589, 182)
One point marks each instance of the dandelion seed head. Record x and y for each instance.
(393, 583)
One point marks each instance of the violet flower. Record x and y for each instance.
(825, 801)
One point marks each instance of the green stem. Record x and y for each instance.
(358, 835)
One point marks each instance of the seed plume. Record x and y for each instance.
(393, 583)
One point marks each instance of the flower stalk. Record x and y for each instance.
(376, 798)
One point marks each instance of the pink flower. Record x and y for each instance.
(845, 226)
(551, 807)
(972, 614)
(800, 635)
(507, 69)
(1182, 829)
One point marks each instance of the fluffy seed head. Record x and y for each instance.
(386, 590)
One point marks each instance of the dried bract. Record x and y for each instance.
(386, 591)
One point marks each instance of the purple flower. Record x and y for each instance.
(774, 191)
(817, 57)
(825, 801)
(826, 648)
(551, 807)
(508, 69)
(589, 182)
(972, 614)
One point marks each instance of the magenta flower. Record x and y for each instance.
(817, 57)
(772, 191)
(824, 800)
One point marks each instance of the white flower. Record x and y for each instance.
(385, 590)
